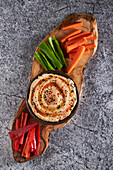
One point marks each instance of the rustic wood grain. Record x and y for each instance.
(89, 24)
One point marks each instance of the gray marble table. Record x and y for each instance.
(87, 141)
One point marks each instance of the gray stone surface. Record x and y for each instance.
(87, 141)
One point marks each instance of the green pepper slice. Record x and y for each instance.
(43, 60)
(37, 56)
(56, 48)
(51, 45)
(46, 62)
(50, 54)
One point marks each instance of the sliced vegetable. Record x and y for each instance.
(76, 59)
(86, 51)
(77, 39)
(17, 123)
(46, 64)
(50, 54)
(92, 45)
(75, 25)
(20, 148)
(52, 47)
(17, 133)
(57, 50)
(73, 46)
(83, 34)
(74, 50)
(27, 145)
(24, 121)
(77, 31)
(37, 139)
(72, 54)
(91, 38)
(37, 56)
(33, 143)
(16, 141)
(45, 60)
(48, 44)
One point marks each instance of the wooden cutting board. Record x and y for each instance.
(89, 24)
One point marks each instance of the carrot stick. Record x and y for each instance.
(72, 54)
(76, 59)
(77, 31)
(75, 49)
(73, 41)
(73, 46)
(91, 38)
(86, 51)
(77, 39)
(75, 25)
(89, 46)
(83, 34)
(92, 45)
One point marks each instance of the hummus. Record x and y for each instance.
(52, 97)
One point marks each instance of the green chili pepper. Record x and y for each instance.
(50, 54)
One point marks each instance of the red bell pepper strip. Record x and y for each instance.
(16, 141)
(24, 121)
(27, 146)
(17, 133)
(33, 144)
(20, 148)
(37, 139)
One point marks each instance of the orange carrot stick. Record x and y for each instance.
(86, 51)
(73, 41)
(83, 34)
(77, 39)
(76, 44)
(75, 49)
(72, 54)
(76, 59)
(72, 26)
(77, 31)
(91, 38)
(92, 45)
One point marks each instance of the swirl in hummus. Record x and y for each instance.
(52, 97)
